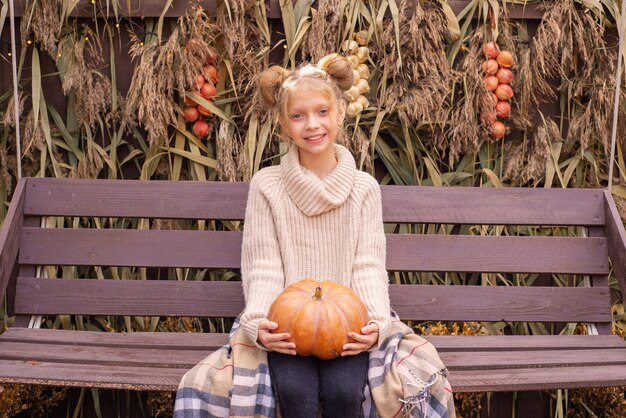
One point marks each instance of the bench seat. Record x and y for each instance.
(436, 231)
(157, 361)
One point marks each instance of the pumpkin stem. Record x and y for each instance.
(318, 293)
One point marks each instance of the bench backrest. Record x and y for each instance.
(414, 209)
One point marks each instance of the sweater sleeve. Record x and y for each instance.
(261, 264)
(369, 272)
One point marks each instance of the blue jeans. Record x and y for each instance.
(301, 384)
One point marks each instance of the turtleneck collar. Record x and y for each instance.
(313, 195)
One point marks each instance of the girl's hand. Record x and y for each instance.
(363, 341)
(275, 342)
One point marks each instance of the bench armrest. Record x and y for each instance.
(10, 236)
(616, 237)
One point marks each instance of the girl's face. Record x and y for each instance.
(312, 121)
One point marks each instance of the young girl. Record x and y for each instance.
(315, 215)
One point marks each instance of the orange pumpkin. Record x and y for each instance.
(318, 316)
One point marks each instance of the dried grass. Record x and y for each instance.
(603, 402)
(226, 153)
(420, 88)
(44, 26)
(469, 405)
(89, 166)
(34, 135)
(160, 404)
(466, 133)
(244, 46)
(570, 45)
(539, 64)
(7, 165)
(166, 70)
(81, 54)
(358, 143)
(37, 400)
(526, 162)
(322, 37)
(7, 118)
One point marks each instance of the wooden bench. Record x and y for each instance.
(157, 360)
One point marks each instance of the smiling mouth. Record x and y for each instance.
(315, 138)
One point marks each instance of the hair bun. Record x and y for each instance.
(338, 68)
(269, 83)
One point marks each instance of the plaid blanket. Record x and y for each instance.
(406, 378)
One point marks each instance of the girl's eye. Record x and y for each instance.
(323, 111)
(296, 116)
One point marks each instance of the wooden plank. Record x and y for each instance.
(197, 341)
(536, 359)
(500, 303)
(222, 249)
(134, 248)
(90, 375)
(167, 379)
(484, 205)
(531, 379)
(129, 297)
(160, 357)
(111, 356)
(617, 240)
(136, 198)
(147, 8)
(407, 204)
(186, 359)
(163, 340)
(225, 299)
(523, 342)
(10, 234)
(497, 254)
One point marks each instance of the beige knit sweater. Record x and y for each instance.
(298, 225)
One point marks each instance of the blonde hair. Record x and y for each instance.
(331, 75)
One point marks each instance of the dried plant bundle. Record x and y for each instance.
(44, 24)
(471, 99)
(322, 37)
(528, 162)
(420, 81)
(246, 47)
(166, 70)
(570, 45)
(80, 55)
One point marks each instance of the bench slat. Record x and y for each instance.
(162, 340)
(173, 358)
(411, 302)
(90, 375)
(524, 342)
(77, 363)
(506, 380)
(112, 356)
(222, 249)
(477, 360)
(136, 199)
(219, 200)
(167, 379)
(211, 341)
(483, 205)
